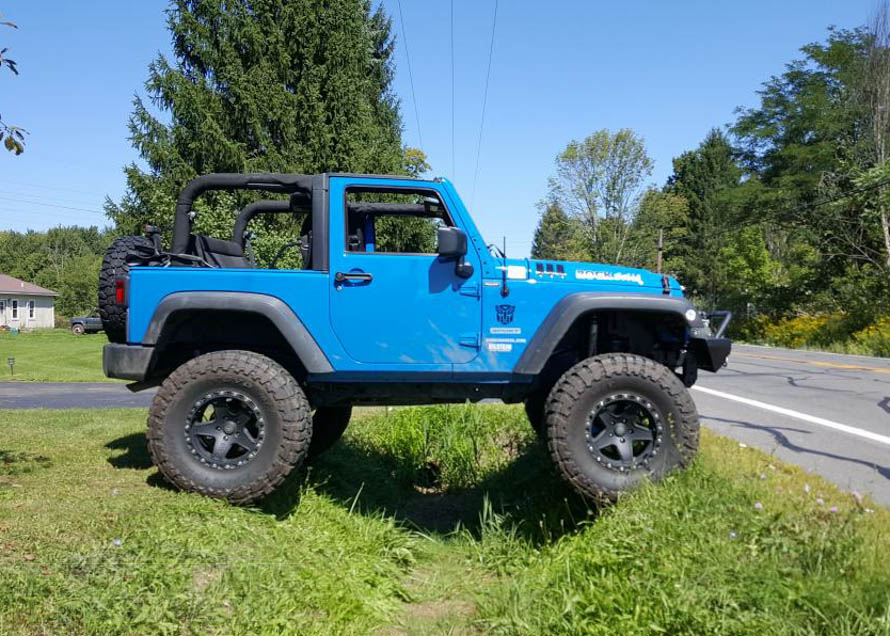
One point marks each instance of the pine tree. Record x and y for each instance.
(275, 85)
(558, 237)
(703, 177)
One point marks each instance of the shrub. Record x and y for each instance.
(875, 338)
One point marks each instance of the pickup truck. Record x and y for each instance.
(398, 300)
(86, 324)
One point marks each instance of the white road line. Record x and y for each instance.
(812, 419)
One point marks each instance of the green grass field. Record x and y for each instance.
(424, 520)
(52, 355)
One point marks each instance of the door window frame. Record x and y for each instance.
(391, 190)
(32, 309)
(14, 304)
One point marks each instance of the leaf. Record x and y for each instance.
(9, 143)
(9, 24)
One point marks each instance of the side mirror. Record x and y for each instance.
(453, 246)
(452, 243)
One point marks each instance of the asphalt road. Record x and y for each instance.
(70, 395)
(829, 414)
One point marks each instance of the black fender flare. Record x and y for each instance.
(569, 309)
(270, 307)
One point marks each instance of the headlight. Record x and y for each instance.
(690, 315)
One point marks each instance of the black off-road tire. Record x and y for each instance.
(328, 425)
(276, 395)
(78, 329)
(535, 406)
(579, 394)
(114, 264)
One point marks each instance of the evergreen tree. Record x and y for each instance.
(558, 237)
(703, 177)
(276, 85)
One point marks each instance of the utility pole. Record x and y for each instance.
(660, 250)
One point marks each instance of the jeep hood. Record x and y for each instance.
(597, 275)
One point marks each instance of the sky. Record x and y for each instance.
(560, 71)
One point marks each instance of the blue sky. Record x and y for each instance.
(561, 70)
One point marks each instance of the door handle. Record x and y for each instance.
(363, 277)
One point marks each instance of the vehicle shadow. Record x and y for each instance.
(526, 497)
(135, 455)
(782, 440)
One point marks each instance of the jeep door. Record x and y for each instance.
(394, 301)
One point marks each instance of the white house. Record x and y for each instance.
(25, 305)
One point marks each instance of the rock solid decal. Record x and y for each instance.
(586, 274)
(505, 313)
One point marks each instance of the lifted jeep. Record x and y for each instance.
(398, 301)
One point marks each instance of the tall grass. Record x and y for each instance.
(424, 520)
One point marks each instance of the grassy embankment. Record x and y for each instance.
(52, 355)
(436, 520)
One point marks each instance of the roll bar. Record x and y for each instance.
(270, 182)
(251, 210)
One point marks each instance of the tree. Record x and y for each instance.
(874, 98)
(13, 137)
(559, 237)
(703, 177)
(280, 86)
(665, 213)
(599, 181)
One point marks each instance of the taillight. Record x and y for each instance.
(120, 291)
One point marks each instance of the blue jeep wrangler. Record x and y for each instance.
(398, 301)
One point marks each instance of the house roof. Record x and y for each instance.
(10, 285)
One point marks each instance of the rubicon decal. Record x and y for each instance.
(622, 277)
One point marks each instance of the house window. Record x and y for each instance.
(15, 310)
(31, 309)
(2, 308)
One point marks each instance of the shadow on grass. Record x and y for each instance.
(135, 455)
(527, 496)
(17, 463)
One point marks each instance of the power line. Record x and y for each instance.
(453, 161)
(44, 186)
(494, 23)
(51, 205)
(410, 74)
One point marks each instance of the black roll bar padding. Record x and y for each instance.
(251, 210)
(727, 316)
(270, 182)
(395, 209)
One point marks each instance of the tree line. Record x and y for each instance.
(784, 212)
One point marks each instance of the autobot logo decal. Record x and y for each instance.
(505, 313)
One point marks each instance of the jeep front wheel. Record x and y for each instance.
(229, 424)
(615, 421)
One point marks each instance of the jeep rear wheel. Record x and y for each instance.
(615, 421)
(328, 425)
(229, 424)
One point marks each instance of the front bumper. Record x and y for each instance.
(711, 351)
(126, 362)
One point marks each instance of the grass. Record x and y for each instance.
(424, 520)
(52, 355)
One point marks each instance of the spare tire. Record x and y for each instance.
(114, 264)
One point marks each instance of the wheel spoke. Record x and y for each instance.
(607, 418)
(641, 435)
(603, 441)
(625, 449)
(221, 446)
(207, 429)
(245, 441)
